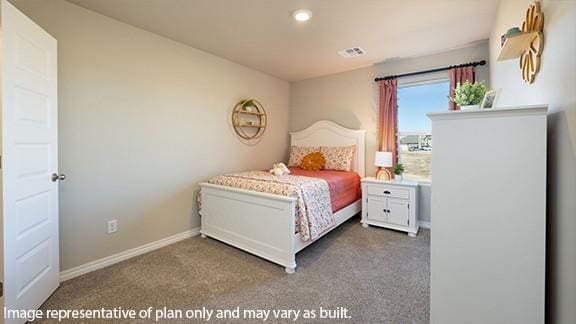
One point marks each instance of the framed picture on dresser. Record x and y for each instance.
(490, 98)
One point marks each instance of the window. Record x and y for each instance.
(414, 127)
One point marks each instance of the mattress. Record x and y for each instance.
(344, 186)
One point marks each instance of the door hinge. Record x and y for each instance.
(408, 222)
(408, 206)
(1, 289)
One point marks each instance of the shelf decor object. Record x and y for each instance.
(249, 119)
(528, 44)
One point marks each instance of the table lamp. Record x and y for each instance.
(383, 160)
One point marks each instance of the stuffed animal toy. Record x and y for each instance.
(279, 169)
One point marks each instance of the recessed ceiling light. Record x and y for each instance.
(302, 15)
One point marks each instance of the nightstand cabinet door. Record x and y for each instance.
(398, 212)
(377, 209)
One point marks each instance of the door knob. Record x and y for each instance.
(58, 177)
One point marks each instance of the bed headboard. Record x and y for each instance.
(327, 133)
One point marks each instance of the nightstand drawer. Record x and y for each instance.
(379, 190)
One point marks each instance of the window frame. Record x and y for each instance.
(436, 78)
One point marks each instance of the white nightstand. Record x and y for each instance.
(390, 204)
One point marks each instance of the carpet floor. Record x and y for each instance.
(378, 275)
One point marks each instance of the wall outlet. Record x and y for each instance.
(112, 226)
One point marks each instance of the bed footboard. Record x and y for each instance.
(259, 223)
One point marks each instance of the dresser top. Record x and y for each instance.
(530, 110)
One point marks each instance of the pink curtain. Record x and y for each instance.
(459, 75)
(388, 118)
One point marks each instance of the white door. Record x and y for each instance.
(29, 158)
(398, 212)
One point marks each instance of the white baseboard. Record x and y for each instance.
(427, 225)
(110, 260)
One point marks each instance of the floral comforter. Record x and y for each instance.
(313, 207)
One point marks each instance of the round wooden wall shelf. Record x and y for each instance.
(249, 119)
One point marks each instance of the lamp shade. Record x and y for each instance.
(383, 159)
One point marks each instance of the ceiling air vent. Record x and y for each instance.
(352, 52)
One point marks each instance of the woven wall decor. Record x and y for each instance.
(249, 119)
(531, 58)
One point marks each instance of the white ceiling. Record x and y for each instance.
(261, 34)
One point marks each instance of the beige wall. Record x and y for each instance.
(351, 98)
(142, 120)
(555, 85)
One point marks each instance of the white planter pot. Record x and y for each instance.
(470, 107)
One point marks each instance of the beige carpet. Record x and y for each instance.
(380, 276)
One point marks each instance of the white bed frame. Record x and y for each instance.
(264, 224)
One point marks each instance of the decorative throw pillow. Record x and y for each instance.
(313, 162)
(297, 153)
(338, 157)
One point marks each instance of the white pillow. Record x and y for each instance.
(297, 153)
(338, 157)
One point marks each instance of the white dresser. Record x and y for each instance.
(390, 204)
(489, 216)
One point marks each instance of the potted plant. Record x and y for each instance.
(398, 170)
(249, 105)
(468, 95)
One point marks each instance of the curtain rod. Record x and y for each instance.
(474, 64)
